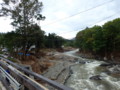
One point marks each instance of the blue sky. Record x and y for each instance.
(66, 17)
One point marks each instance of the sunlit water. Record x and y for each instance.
(79, 80)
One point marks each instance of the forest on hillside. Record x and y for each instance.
(101, 41)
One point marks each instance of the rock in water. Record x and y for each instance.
(97, 77)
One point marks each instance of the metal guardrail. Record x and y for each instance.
(37, 76)
(9, 79)
(21, 78)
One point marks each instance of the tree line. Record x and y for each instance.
(100, 40)
(14, 41)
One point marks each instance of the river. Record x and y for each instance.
(81, 73)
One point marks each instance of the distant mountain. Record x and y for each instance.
(70, 39)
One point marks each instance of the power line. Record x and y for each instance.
(92, 24)
(78, 13)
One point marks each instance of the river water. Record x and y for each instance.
(81, 73)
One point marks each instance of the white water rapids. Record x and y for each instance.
(81, 73)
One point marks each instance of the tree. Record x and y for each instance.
(102, 40)
(23, 14)
(53, 41)
(84, 39)
(111, 31)
(99, 41)
(2, 40)
(11, 41)
(35, 37)
(21, 11)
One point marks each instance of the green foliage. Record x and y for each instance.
(10, 40)
(15, 40)
(98, 43)
(27, 33)
(105, 39)
(23, 14)
(35, 36)
(53, 41)
(70, 43)
(2, 39)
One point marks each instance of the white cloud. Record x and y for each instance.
(69, 2)
(5, 25)
(57, 11)
(81, 20)
(61, 14)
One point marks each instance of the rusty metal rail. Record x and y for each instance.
(37, 76)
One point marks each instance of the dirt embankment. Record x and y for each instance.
(113, 57)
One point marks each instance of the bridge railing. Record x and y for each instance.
(20, 80)
(37, 76)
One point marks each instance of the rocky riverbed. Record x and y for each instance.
(60, 71)
(81, 73)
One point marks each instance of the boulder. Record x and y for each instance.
(82, 62)
(97, 77)
(107, 64)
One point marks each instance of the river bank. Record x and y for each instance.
(113, 57)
